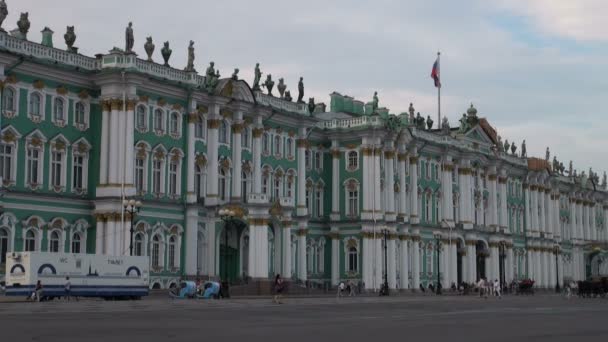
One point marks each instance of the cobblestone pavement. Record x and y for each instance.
(432, 318)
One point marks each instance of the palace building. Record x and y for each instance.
(238, 183)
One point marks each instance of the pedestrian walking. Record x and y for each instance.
(351, 288)
(67, 288)
(497, 289)
(279, 286)
(340, 289)
(37, 291)
(482, 286)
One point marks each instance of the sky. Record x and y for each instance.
(536, 69)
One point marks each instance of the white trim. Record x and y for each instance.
(146, 126)
(63, 122)
(15, 110)
(42, 114)
(87, 115)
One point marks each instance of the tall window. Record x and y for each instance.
(353, 160)
(173, 167)
(199, 127)
(8, 100)
(244, 186)
(78, 172)
(353, 202)
(174, 128)
(222, 184)
(223, 133)
(352, 260)
(307, 159)
(277, 188)
(318, 160)
(289, 189)
(54, 242)
(3, 245)
(33, 163)
(266, 143)
(157, 167)
(289, 147)
(319, 202)
(58, 113)
(172, 252)
(141, 118)
(139, 174)
(277, 145)
(156, 251)
(159, 120)
(30, 241)
(56, 164)
(245, 137)
(138, 246)
(198, 180)
(76, 243)
(79, 113)
(35, 104)
(265, 184)
(6, 161)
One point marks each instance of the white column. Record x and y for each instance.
(367, 182)
(237, 133)
(592, 224)
(534, 208)
(287, 253)
(454, 264)
(367, 258)
(503, 202)
(392, 266)
(258, 250)
(193, 117)
(335, 181)
(402, 188)
(389, 186)
(446, 186)
(463, 170)
(605, 207)
(257, 160)
(110, 234)
(213, 124)
(530, 262)
(302, 275)
(404, 262)
(335, 257)
(100, 235)
(471, 262)
(414, 218)
(191, 243)
(212, 256)
(301, 191)
(104, 147)
(377, 184)
(114, 155)
(527, 214)
(538, 268)
(494, 260)
(492, 199)
(130, 146)
(415, 261)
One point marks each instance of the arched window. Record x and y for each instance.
(288, 147)
(277, 145)
(79, 113)
(159, 122)
(318, 160)
(76, 243)
(35, 104)
(277, 188)
(244, 186)
(138, 245)
(352, 260)
(156, 251)
(223, 133)
(54, 242)
(172, 252)
(198, 180)
(174, 128)
(7, 161)
(199, 127)
(141, 118)
(265, 184)
(173, 170)
(222, 184)
(3, 245)
(58, 106)
(266, 143)
(307, 159)
(30, 241)
(8, 100)
(310, 258)
(245, 138)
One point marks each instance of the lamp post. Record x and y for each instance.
(132, 207)
(384, 291)
(227, 216)
(557, 289)
(501, 265)
(438, 246)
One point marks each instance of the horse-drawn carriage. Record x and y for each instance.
(525, 287)
(597, 287)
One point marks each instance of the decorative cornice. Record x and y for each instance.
(301, 143)
(116, 104)
(238, 127)
(335, 153)
(389, 154)
(401, 157)
(413, 159)
(257, 132)
(366, 151)
(213, 123)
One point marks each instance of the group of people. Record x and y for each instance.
(347, 289)
(490, 287)
(38, 293)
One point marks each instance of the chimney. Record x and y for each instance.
(47, 37)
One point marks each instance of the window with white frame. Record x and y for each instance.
(34, 160)
(140, 179)
(319, 201)
(8, 161)
(223, 132)
(142, 118)
(307, 159)
(277, 146)
(319, 160)
(200, 127)
(30, 241)
(76, 243)
(4, 245)
(245, 137)
(289, 147)
(265, 184)
(158, 175)
(321, 256)
(352, 198)
(266, 144)
(223, 184)
(35, 106)
(277, 187)
(245, 184)
(54, 242)
(309, 201)
(57, 176)
(289, 188)
(138, 245)
(200, 180)
(172, 250)
(59, 107)
(9, 101)
(353, 258)
(80, 115)
(174, 127)
(173, 170)
(159, 121)
(156, 251)
(353, 160)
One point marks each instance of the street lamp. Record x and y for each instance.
(227, 216)
(132, 207)
(438, 246)
(501, 265)
(556, 270)
(384, 291)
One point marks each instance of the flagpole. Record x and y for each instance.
(439, 92)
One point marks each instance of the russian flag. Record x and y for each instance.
(435, 73)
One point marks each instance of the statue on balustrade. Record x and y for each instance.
(562, 168)
(166, 52)
(524, 153)
(301, 90)
(70, 39)
(570, 172)
(375, 102)
(604, 181)
(210, 72)
(190, 64)
(506, 147)
(212, 77)
(281, 87)
(419, 121)
(269, 84)
(288, 96)
(547, 154)
(24, 24)
(464, 124)
(149, 47)
(499, 145)
(129, 39)
(412, 111)
(257, 77)
(311, 105)
(513, 148)
(3, 13)
(445, 125)
(555, 165)
(235, 74)
(429, 122)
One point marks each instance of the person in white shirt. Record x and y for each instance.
(497, 288)
(340, 289)
(482, 286)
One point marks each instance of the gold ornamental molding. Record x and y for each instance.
(84, 94)
(378, 151)
(366, 151)
(464, 171)
(11, 79)
(301, 143)
(334, 235)
(415, 238)
(404, 237)
(470, 242)
(389, 154)
(292, 133)
(213, 123)
(144, 98)
(302, 232)
(61, 90)
(286, 223)
(413, 159)
(257, 132)
(225, 112)
(402, 157)
(261, 222)
(177, 106)
(131, 104)
(448, 167)
(161, 102)
(351, 146)
(502, 180)
(193, 118)
(106, 105)
(335, 153)
(116, 104)
(38, 84)
(491, 178)
(525, 186)
(547, 190)
(9, 137)
(238, 128)
(533, 187)
(202, 109)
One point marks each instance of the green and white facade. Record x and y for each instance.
(313, 192)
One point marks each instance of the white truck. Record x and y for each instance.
(116, 277)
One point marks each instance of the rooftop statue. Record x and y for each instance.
(375, 102)
(269, 84)
(301, 90)
(129, 39)
(464, 124)
(288, 96)
(429, 122)
(570, 169)
(604, 181)
(149, 47)
(445, 125)
(3, 13)
(574, 174)
(166, 52)
(419, 121)
(190, 65)
(513, 148)
(257, 77)
(24, 24)
(311, 105)
(562, 168)
(281, 87)
(524, 153)
(555, 165)
(211, 77)
(70, 38)
(547, 154)
(499, 144)
(412, 111)
(235, 74)
(506, 149)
